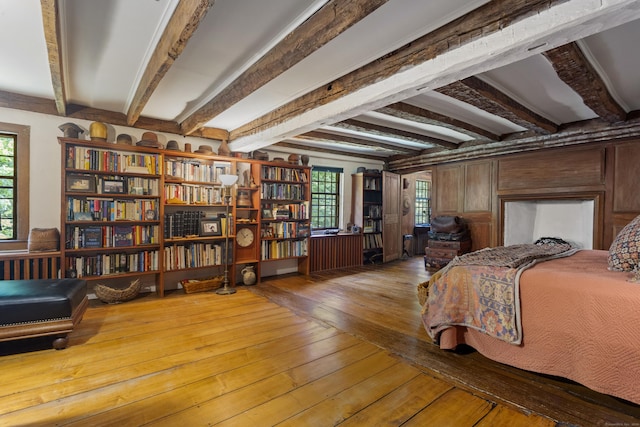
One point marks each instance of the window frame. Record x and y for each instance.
(418, 205)
(21, 190)
(337, 195)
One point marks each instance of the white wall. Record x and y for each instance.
(571, 220)
(45, 161)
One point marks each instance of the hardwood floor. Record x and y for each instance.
(337, 348)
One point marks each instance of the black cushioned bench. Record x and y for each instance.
(33, 308)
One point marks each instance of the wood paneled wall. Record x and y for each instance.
(605, 172)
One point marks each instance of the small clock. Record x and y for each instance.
(244, 237)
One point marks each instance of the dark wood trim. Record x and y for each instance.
(51, 21)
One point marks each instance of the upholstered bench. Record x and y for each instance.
(34, 308)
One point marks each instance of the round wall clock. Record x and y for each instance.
(244, 237)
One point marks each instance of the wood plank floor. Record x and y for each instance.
(338, 348)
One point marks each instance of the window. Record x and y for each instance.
(423, 202)
(7, 186)
(14, 186)
(325, 197)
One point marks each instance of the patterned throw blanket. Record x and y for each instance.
(480, 290)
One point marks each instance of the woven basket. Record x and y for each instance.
(200, 285)
(115, 296)
(423, 292)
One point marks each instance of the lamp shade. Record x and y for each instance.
(228, 180)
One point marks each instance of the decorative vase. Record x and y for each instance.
(305, 159)
(248, 275)
(223, 149)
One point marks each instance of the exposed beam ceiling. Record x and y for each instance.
(389, 80)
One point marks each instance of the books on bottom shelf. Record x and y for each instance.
(276, 249)
(372, 241)
(194, 255)
(113, 263)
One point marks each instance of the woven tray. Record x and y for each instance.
(200, 285)
(114, 296)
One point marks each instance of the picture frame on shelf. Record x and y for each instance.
(114, 186)
(79, 183)
(210, 227)
(267, 232)
(267, 214)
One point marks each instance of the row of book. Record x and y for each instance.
(372, 183)
(278, 173)
(111, 161)
(285, 211)
(113, 263)
(372, 241)
(279, 191)
(185, 223)
(107, 236)
(373, 211)
(195, 255)
(193, 194)
(107, 209)
(277, 249)
(286, 230)
(372, 225)
(195, 170)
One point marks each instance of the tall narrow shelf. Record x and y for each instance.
(367, 205)
(247, 223)
(195, 215)
(285, 207)
(110, 210)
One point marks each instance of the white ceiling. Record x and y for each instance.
(106, 45)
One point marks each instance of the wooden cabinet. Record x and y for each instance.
(110, 211)
(285, 226)
(376, 210)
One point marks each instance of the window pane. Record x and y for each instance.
(423, 202)
(8, 201)
(325, 199)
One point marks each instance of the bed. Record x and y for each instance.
(570, 316)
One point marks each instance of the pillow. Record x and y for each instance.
(623, 253)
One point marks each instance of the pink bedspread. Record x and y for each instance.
(580, 321)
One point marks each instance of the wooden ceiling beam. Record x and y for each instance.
(183, 23)
(387, 132)
(412, 113)
(575, 70)
(358, 142)
(482, 95)
(51, 24)
(328, 22)
(303, 147)
(465, 48)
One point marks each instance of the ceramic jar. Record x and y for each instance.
(248, 275)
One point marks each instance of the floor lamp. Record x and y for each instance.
(227, 181)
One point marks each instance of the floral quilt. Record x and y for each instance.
(480, 290)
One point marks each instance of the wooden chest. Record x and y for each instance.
(438, 253)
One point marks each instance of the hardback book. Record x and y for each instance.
(93, 237)
(123, 235)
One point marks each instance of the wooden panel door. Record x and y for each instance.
(392, 213)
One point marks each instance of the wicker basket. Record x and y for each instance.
(423, 292)
(115, 296)
(200, 285)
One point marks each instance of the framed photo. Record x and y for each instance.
(266, 232)
(267, 214)
(210, 227)
(81, 183)
(114, 186)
